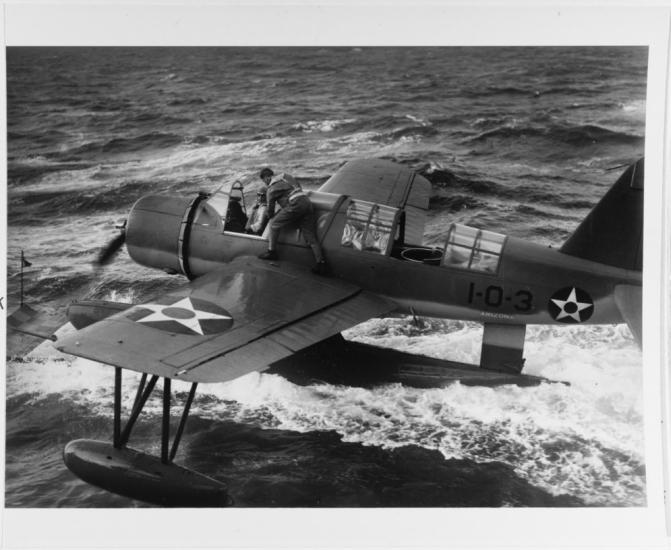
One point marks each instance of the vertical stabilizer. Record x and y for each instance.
(612, 233)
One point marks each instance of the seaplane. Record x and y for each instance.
(236, 313)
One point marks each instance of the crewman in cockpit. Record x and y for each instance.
(296, 210)
(258, 217)
(235, 216)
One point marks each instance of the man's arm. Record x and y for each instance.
(270, 200)
(288, 178)
(278, 188)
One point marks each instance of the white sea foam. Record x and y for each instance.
(321, 125)
(65, 181)
(215, 157)
(583, 439)
(635, 106)
(418, 120)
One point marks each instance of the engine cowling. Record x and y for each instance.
(158, 229)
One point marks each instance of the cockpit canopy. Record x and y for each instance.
(225, 209)
(474, 249)
(369, 226)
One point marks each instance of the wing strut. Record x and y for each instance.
(182, 422)
(140, 400)
(138, 475)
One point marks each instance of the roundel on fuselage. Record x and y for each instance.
(571, 305)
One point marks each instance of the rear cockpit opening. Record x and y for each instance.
(380, 229)
(465, 248)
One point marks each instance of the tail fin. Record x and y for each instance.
(612, 233)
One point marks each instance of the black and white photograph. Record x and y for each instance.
(327, 277)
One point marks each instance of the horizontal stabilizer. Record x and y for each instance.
(628, 299)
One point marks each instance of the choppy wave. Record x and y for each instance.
(534, 211)
(576, 136)
(454, 203)
(635, 106)
(576, 203)
(501, 90)
(22, 171)
(187, 102)
(82, 202)
(48, 288)
(151, 141)
(420, 131)
(322, 125)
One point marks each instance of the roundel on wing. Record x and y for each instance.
(183, 315)
(571, 305)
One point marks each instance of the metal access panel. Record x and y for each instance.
(386, 183)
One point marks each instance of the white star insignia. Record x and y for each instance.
(184, 313)
(574, 307)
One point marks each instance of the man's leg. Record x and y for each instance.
(278, 221)
(308, 225)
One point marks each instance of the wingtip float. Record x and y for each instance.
(140, 476)
(239, 314)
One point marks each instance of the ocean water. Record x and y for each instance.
(523, 141)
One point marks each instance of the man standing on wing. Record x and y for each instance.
(296, 210)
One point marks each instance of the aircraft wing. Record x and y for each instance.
(227, 323)
(388, 183)
(27, 328)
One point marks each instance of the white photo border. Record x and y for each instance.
(376, 24)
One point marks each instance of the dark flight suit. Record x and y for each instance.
(296, 210)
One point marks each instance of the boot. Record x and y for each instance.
(320, 268)
(269, 255)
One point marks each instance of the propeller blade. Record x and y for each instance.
(107, 253)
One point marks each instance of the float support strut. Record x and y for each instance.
(121, 438)
(182, 422)
(140, 388)
(165, 431)
(117, 407)
(137, 409)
